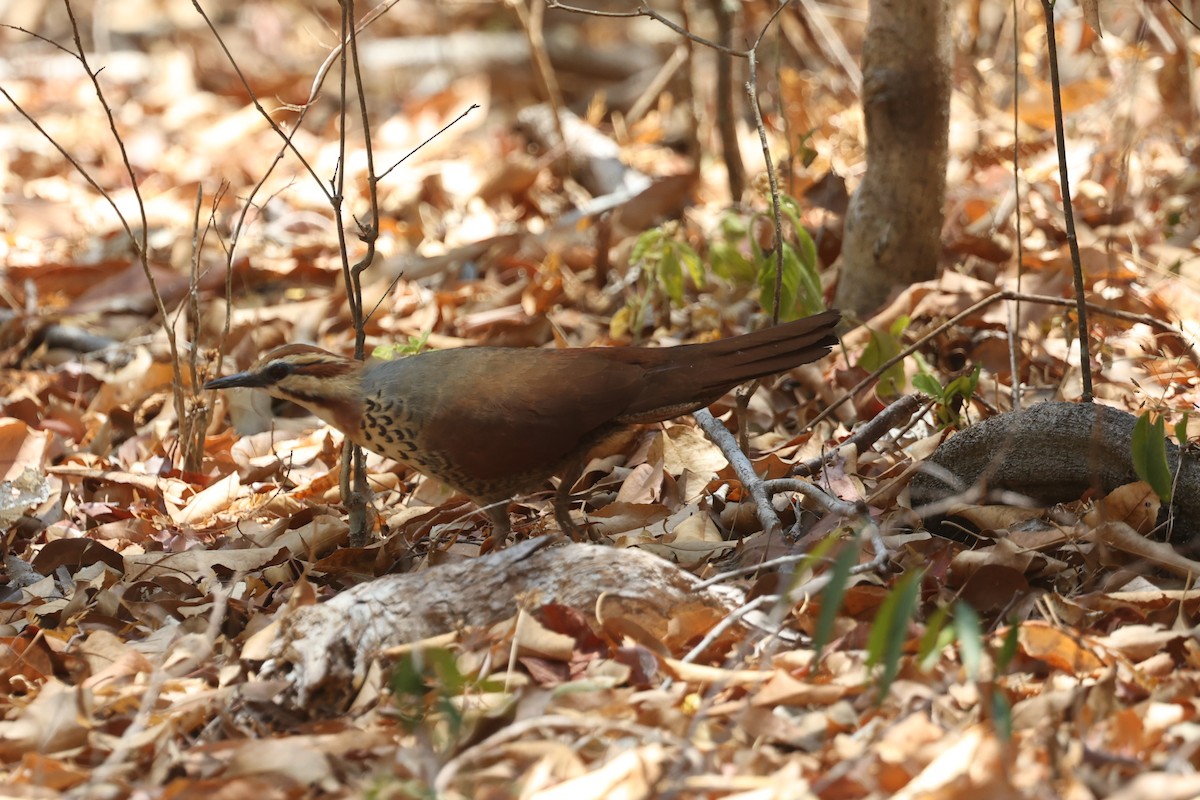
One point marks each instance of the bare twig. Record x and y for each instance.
(315, 90)
(1014, 310)
(727, 622)
(722, 577)
(776, 209)
(761, 490)
(831, 504)
(353, 458)
(532, 20)
(867, 434)
(266, 115)
(194, 425)
(440, 131)
(1060, 140)
(751, 55)
(725, 440)
(140, 240)
(726, 118)
(780, 602)
(644, 10)
(1195, 25)
(974, 308)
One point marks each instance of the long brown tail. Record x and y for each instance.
(692, 376)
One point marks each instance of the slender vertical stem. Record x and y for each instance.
(1068, 215)
(726, 113)
(353, 474)
(776, 208)
(1014, 308)
(532, 19)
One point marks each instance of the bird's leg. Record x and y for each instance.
(501, 527)
(562, 501)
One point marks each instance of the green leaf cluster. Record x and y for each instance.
(881, 348)
(666, 262)
(410, 347)
(888, 637)
(950, 398)
(889, 632)
(800, 287)
(424, 686)
(664, 259)
(1149, 452)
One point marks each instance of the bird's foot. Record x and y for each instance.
(585, 533)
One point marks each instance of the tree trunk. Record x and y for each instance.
(894, 223)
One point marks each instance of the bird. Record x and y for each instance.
(496, 422)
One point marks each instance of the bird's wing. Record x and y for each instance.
(527, 411)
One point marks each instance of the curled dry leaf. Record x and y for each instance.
(1057, 648)
(1135, 504)
(1121, 537)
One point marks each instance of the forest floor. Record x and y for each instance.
(184, 616)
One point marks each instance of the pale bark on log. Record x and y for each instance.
(322, 653)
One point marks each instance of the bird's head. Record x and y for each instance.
(326, 384)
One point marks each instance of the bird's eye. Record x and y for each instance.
(278, 370)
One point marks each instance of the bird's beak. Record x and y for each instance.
(250, 380)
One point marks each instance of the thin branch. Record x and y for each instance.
(1181, 13)
(1060, 140)
(139, 242)
(645, 11)
(751, 89)
(723, 439)
(286, 137)
(791, 558)
(867, 433)
(975, 308)
(352, 477)
(1014, 315)
(781, 601)
(727, 622)
(831, 504)
(368, 234)
(442, 130)
(774, 15)
(532, 20)
(776, 208)
(735, 169)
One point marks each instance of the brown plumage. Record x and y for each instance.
(495, 422)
